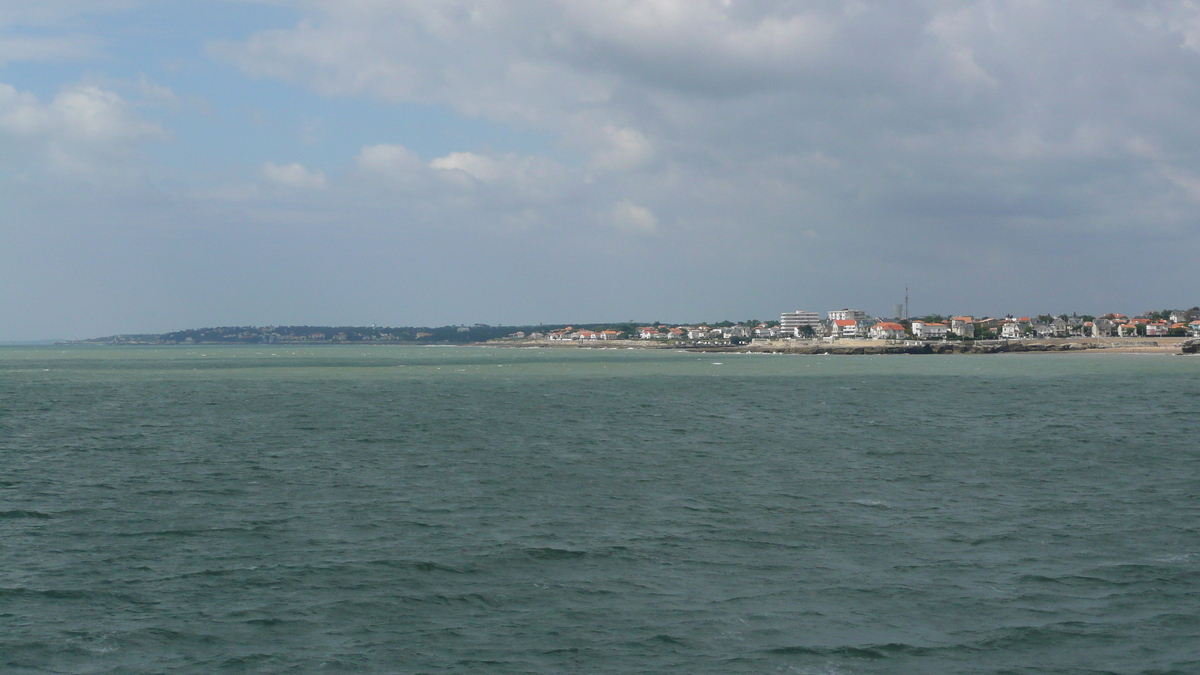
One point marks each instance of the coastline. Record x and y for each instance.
(852, 347)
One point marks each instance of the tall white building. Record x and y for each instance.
(847, 315)
(790, 321)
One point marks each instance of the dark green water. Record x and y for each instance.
(465, 510)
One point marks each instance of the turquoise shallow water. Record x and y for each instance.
(471, 510)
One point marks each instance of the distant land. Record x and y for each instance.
(849, 331)
(460, 334)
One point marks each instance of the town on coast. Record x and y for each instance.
(852, 331)
(840, 331)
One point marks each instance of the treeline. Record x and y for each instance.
(365, 334)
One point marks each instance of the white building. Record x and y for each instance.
(1158, 329)
(963, 326)
(929, 331)
(847, 315)
(790, 321)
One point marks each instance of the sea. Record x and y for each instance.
(405, 509)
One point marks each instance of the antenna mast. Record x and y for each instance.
(906, 301)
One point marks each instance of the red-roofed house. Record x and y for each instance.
(1127, 330)
(846, 328)
(886, 330)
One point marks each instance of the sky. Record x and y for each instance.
(174, 164)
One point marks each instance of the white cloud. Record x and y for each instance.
(509, 177)
(955, 32)
(549, 63)
(630, 218)
(479, 167)
(294, 176)
(394, 161)
(84, 128)
(620, 149)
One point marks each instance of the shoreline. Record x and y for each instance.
(1170, 345)
(841, 347)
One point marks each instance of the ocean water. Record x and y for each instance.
(475, 510)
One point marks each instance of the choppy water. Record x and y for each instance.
(467, 510)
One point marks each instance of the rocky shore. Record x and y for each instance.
(867, 347)
(970, 347)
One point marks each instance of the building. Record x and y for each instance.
(929, 331)
(1012, 330)
(845, 328)
(1158, 329)
(1102, 328)
(963, 326)
(847, 315)
(790, 321)
(887, 330)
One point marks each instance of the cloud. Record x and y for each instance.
(630, 218)
(391, 161)
(479, 167)
(1030, 142)
(1015, 113)
(294, 176)
(83, 129)
(617, 148)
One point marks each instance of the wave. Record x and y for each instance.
(547, 553)
(874, 652)
(38, 515)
